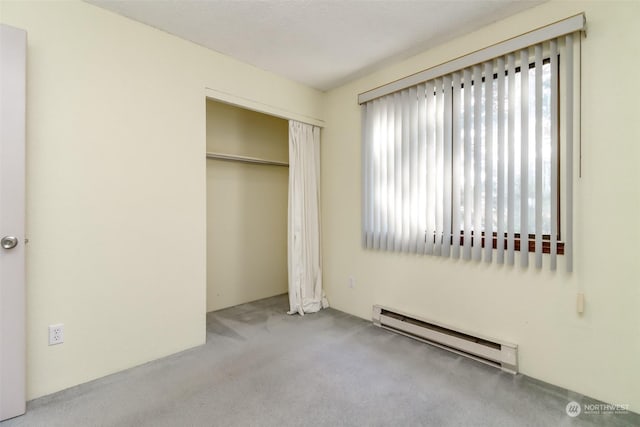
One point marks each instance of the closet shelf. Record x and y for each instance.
(244, 159)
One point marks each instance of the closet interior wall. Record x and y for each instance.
(246, 207)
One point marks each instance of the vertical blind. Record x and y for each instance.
(476, 163)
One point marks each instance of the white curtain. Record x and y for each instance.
(305, 264)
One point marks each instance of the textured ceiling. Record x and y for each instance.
(320, 43)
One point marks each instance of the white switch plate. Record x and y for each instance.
(580, 303)
(56, 334)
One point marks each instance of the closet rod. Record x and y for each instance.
(245, 159)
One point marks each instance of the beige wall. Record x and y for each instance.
(596, 354)
(246, 207)
(116, 203)
(116, 180)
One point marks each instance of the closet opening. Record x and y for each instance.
(247, 191)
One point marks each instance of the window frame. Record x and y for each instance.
(546, 237)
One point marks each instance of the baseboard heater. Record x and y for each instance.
(486, 350)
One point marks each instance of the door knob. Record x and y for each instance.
(9, 242)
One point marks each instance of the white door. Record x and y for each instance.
(13, 47)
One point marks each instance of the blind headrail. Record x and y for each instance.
(560, 28)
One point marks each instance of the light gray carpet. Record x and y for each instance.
(261, 367)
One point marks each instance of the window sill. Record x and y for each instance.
(546, 243)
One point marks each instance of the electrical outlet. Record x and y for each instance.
(352, 282)
(56, 334)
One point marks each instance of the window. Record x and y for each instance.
(476, 163)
